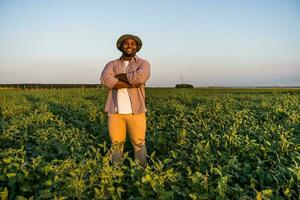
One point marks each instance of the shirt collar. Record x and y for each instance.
(135, 58)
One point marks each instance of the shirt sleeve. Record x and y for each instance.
(108, 76)
(141, 75)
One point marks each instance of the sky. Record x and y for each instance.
(204, 43)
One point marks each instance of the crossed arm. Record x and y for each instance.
(122, 82)
(125, 80)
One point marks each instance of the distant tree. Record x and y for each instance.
(184, 85)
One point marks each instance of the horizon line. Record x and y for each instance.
(209, 86)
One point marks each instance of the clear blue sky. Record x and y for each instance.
(208, 43)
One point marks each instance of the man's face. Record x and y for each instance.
(129, 47)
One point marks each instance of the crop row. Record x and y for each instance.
(54, 145)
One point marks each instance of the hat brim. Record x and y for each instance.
(129, 36)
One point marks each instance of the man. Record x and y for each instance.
(125, 78)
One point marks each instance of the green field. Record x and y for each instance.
(209, 143)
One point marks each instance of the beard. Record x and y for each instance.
(133, 53)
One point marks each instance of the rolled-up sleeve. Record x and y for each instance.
(108, 77)
(141, 75)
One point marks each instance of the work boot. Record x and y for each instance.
(117, 153)
(141, 156)
(117, 158)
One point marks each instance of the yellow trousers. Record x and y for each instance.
(135, 125)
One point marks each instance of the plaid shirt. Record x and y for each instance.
(137, 72)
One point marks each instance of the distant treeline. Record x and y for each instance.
(49, 86)
(184, 85)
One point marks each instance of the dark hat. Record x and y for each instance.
(127, 36)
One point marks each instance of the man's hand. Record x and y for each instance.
(122, 77)
(121, 84)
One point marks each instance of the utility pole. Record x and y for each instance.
(181, 79)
